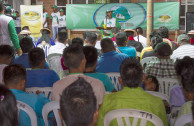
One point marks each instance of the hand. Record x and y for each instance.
(19, 52)
(38, 92)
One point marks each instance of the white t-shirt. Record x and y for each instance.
(55, 18)
(62, 21)
(142, 40)
(45, 15)
(18, 22)
(110, 22)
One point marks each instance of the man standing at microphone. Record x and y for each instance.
(109, 21)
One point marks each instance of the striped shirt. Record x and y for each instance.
(161, 68)
(182, 51)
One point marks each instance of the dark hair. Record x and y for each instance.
(8, 107)
(36, 56)
(99, 36)
(152, 34)
(163, 49)
(139, 30)
(62, 36)
(77, 41)
(91, 37)
(129, 33)
(115, 30)
(72, 56)
(185, 69)
(121, 38)
(14, 74)
(26, 28)
(91, 55)
(155, 81)
(131, 72)
(16, 12)
(1, 6)
(6, 52)
(155, 40)
(26, 44)
(163, 32)
(107, 45)
(85, 34)
(78, 104)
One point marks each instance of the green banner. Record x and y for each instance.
(129, 15)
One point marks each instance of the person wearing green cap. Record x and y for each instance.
(54, 16)
(45, 18)
(62, 20)
(8, 35)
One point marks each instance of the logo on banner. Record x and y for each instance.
(31, 15)
(164, 18)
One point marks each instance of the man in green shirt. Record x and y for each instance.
(132, 96)
(8, 35)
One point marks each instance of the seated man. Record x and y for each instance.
(140, 38)
(78, 41)
(26, 45)
(110, 60)
(163, 66)
(91, 56)
(14, 77)
(74, 59)
(6, 56)
(131, 42)
(185, 68)
(78, 104)
(121, 40)
(39, 77)
(132, 96)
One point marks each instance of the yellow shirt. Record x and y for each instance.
(147, 49)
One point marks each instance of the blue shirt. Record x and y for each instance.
(130, 51)
(41, 78)
(110, 62)
(23, 60)
(36, 102)
(105, 80)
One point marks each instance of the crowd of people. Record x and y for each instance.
(76, 70)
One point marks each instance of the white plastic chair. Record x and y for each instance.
(184, 119)
(147, 59)
(165, 84)
(136, 114)
(51, 106)
(174, 114)
(114, 78)
(27, 109)
(160, 95)
(54, 61)
(45, 90)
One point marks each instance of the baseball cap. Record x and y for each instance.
(61, 10)
(191, 32)
(54, 6)
(183, 37)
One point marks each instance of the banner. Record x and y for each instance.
(31, 15)
(129, 15)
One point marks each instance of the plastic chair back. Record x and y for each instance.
(135, 114)
(54, 61)
(114, 78)
(165, 84)
(51, 106)
(174, 114)
(27, 109)
(184, 119)
(45, 90)
(147, 59)
(160, 95)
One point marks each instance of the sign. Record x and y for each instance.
(129, 15)
(31, 15)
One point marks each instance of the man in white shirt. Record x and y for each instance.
(55, 21)
(45, 18)
(185, 48)
(62, 20)
(60, 44)
(140, 38)
(18, 22)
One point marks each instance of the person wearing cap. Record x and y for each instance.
(18, 22)
(163, 66)
(185, 48)
(109, 21)
(8, 35)
(121, 40)
(62, 20)
(131, 42)
(54, 16)
(191, 35)
(45, 18)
